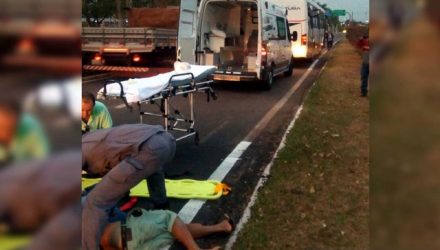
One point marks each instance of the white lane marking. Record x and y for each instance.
(247, 212)
(192, 207)
(226, 166)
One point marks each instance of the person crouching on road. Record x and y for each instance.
(124, 156)
(94, 114)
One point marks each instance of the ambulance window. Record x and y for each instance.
(281, 24)
(187, 23)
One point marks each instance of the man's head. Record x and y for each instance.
(88, 102)
(9, 118)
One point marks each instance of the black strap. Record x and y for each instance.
(121, 95)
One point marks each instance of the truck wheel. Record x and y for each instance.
(289, 72)
(269, 80)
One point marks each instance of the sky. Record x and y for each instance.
(360, 8)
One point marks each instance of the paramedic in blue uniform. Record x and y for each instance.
(124, 156)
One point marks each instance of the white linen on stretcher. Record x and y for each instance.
(140, 89)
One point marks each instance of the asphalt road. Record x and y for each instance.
(222, 125)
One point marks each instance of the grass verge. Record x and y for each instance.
(317, 196)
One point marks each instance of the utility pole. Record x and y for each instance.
(351, 16)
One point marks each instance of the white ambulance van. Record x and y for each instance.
(247, 40)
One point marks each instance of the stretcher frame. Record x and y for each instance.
(173, 119)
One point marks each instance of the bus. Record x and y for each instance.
(307, 24)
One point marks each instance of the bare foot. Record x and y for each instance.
(226, 224)
(215, 248)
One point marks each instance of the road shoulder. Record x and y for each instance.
(317, 194)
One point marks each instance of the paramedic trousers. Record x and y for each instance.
(153, 155)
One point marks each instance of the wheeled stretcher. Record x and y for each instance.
(158, 90)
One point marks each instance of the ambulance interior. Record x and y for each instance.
(229, 35)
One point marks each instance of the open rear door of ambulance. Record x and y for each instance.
(187, 37)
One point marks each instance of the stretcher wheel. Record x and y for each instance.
(197, 138)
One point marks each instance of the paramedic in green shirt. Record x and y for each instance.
(94, 114)
(21, 135)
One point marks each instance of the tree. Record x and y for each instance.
(333, 21)
(95, 11)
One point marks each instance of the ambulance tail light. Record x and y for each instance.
(264, 52)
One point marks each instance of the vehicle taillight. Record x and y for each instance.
(136, 58)
(26, 46)
(304, 39)
(264, 53)
(97, 57)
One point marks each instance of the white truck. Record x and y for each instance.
(145, 41)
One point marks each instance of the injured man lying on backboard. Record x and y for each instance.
(156, 229)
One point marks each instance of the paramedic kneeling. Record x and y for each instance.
(124, 156)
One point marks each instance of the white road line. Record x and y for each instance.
(226, 166)
(247, 212)
(192, 207)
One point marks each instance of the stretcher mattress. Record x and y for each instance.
(140, 89)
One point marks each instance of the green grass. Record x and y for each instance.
(317, 196)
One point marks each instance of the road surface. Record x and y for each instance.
(224, 124)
